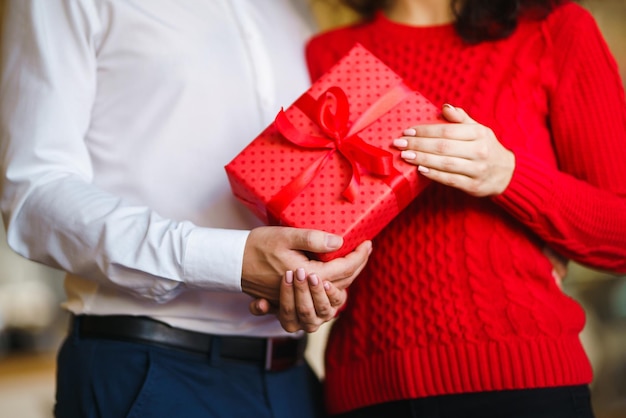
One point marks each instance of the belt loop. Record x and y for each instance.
(269, 353)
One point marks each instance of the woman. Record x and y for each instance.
(457, 312)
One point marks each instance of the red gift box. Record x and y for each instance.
(327, 161)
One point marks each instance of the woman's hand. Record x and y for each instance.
(462, 154)
(306, 302)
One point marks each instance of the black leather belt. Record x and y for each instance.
(273, 354)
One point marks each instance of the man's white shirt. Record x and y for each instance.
(117, 120)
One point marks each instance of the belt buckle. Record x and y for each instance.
(274, 363)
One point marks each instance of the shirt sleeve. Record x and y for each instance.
(53, 212)
(579, 209)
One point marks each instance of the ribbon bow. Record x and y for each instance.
(330, 111)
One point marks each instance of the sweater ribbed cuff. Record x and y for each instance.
(530, 189)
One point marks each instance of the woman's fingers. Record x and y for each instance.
(287, 314)
(462, 154)
(305, 308)
(337, 297)
(306, 302)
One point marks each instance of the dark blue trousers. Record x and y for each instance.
(103, 378)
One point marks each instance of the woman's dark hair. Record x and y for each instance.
(476, 20)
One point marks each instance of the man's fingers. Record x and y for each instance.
(259, 307)
(314, 241)
(342, 271)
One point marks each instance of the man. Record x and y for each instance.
(117, 119)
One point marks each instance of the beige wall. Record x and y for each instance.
(329, 13)
(611, 17)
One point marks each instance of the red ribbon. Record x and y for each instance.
(331, 113)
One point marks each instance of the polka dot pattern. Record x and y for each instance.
(270, 161)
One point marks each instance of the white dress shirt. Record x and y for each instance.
(117, 119)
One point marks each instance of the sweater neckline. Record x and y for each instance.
(399, 29)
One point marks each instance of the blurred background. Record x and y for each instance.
(32, 324)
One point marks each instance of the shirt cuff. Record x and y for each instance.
(214, 259)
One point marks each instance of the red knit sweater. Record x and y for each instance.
(458, 296)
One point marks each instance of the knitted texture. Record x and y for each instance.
(458, 296)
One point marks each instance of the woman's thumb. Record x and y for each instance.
(455, 114)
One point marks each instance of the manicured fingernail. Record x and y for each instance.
(408, 155)
(449, 106)
(422, 169)
(400, 143)
(409, 132)
(333, 241)
(289, 277)
(327, 285)
(300, 274)
(313, 279)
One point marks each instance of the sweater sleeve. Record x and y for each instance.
(579, 209)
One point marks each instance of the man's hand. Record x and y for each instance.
(270, 251)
